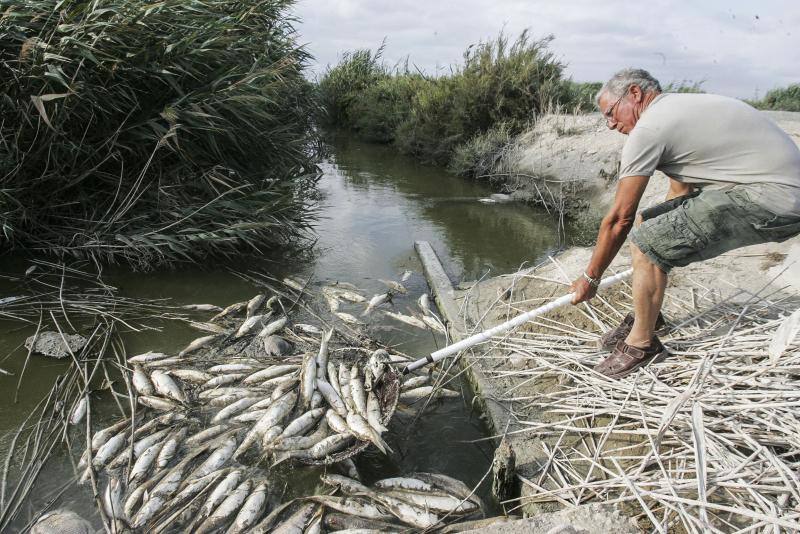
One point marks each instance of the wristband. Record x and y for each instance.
(594, 282)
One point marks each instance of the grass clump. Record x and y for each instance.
(781, 99)
(152, 132)
(501, 81)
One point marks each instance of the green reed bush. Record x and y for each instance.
(152, 132)
(343, 85)
(781, 99)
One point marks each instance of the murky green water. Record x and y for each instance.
(374, 205)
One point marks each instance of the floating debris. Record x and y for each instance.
(55, 345)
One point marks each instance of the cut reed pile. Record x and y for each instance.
(152, 132)
(706, 441)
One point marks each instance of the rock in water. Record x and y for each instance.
(62, 522)
(52, 344)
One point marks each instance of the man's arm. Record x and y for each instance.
(678, 189)
(613, 230)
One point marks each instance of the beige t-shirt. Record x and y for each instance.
(715, 141)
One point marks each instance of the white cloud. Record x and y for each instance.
(735, 47)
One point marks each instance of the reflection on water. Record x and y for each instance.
(375, 204)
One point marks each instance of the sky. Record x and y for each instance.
(736, 48)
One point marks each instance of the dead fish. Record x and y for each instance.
(407, 319)
(374, 415)
(349, 295)
(167, 363)
(295, 443)
(231, 368)
(79, 412)
(112, 498)
(228, 507)
(426, 391)
(141, 382)
(147, 357)
(202, 307)
(396, 287)
(348, 485)
(157, 403)
(233, 309)
(167, 387)
(331, 397)
(303, 423)
(407, 513)
(101, 436)
(276, 413)
(357, 392)
(222, 380)
(434, 324)
(234, 408)
(336, 422)
(250, 511)
(208, 327)
(352, 506)
(349, 467)
(249, 416)
(216, 459)
(406, 276)
(294, 284)
(360, 428)
(405, 483)
(148, 510)
(308, 378)
(170, 448)
(449, 485)
(424, 303)
(198, 343)
(322, 356)
(435, 502)
(270, 372)
(135, 497)
(205, 435)
(416, 382)
(347, 318)
(329, 445)
(271, 435)
(344, 387)
(308, 329)
(315, 525)
(276, 346)
(220, 492)
(144, 462)
(142, 444)
(296, 523)
(333, 303)
(333, 377)
(254, 304)
(248, 325)
(233, 391)
(109, 449)
(274, 327)
(376, 301)
(336, 522)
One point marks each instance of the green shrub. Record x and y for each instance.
(684, 86)
(577, 97)
(382, 107)
(781, 99)
(479, 157)
(341, 86)
(152, 132)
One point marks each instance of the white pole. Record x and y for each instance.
(499, 329)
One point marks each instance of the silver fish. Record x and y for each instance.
(297, 443)
(216, 459)
(220, 492)
(249, 416)
(317, 400)
(295, 524)
(336, 422)
(144, 462)
(141, 382)
(349, 295)
(448, 485)
(436, 502)
(274, 327)
(426, 391)
(322, 356)
(347, 484)
(101, 436)
(294, 284)
(109, 449)
(202, 307)
(406, 276)
(230, 368)
(248, 325)
(357, 392)
(349, 466)
(250, 511)
(270, 372)
(374, 415)
(112, 498)
(234, 408)
(406, 513)
(363, 431)
(274, 415)
(254, 304)
(308, 329)
(170, 447)
(303, 423)
(344, 386)
(191, 375)
(223, 391)
(406, 483)
(205, 435)
(333, 378)
(407, 319)
(378, 363)
(308, 377)
(331, 397)
(276, 346)
(351, 506)
(147, 357)
(79, 412)
(416, 382)
(424, 303)
(197, 344)
(148, 510)
(165, 363)
(270, 436)
(329, 445)
(135, 496)
(226, 508)
(146, 442)
(333, 303)
(222, 380)
(433, 324)
(376, 301)
(233, 309)
(167, 387)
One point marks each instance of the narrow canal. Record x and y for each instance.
(374, 204)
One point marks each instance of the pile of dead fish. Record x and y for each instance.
(260, 391)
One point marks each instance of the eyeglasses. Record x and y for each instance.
(609, 114)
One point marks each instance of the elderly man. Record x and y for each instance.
(734, 181)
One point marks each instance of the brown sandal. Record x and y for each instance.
(609, 340)
(625, 359)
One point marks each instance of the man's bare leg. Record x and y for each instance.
(649, 283)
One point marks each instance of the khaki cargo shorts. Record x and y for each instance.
(707, 223)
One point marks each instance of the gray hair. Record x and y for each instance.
(624, 79)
